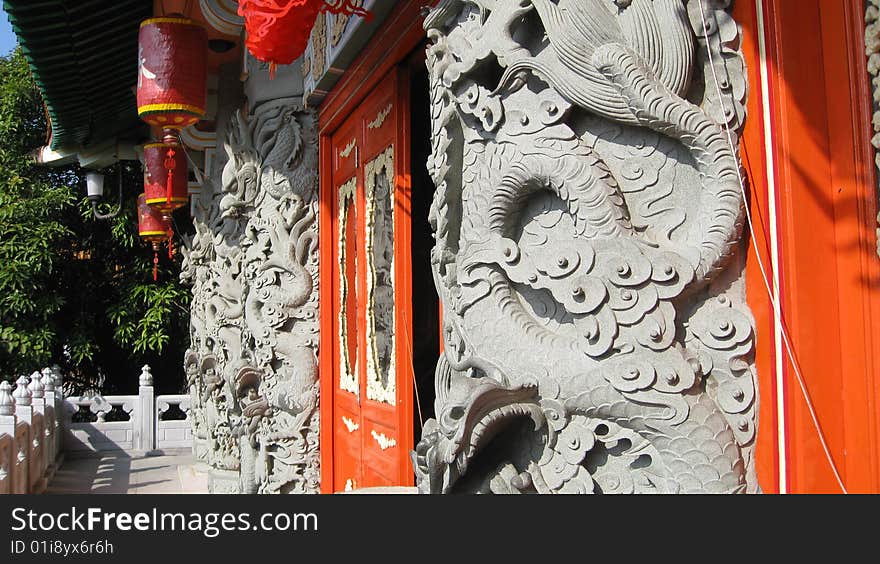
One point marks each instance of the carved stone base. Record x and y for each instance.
(392, 490)
(223, 481)
(201, 448)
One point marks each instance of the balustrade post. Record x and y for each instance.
(38, 433)
(145, 414)
(7, 427)
(24, 415)
(7, 410)
(24, 410)
(49, 450)
(58, 380)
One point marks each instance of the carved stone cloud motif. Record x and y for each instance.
(588, 221)
(253, 265)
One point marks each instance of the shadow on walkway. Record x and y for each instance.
(117, 472)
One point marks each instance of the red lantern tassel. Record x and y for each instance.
(155, 264)
(170, 165)
(170, 244)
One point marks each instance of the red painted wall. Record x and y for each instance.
(825, 194)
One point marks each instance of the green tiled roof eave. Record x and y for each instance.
(83, 55)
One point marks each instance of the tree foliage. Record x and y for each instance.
(73, 290)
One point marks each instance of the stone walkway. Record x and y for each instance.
(122, 473)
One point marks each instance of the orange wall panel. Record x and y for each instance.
(753, 154)
(826, 197)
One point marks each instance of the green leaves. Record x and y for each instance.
(73, 290)
(141, 317)
(32, 227)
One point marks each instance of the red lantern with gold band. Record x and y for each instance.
(172, 72)
(153, 228)
(278, 30)
(166, 177)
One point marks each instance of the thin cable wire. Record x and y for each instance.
(412, 366)
(201, 177)
(773, 296)
(179, 234)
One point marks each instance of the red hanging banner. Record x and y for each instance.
(278, 30)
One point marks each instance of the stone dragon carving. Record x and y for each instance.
(588, 221)
(210, 266)
(872, 51)
(254, 268)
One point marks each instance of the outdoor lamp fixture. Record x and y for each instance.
(95, 186)
(95, 191)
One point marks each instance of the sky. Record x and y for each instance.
(7, 38)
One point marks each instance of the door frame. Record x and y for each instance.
(810, 118)
(390, 47)
(820, 107)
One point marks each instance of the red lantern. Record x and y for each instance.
(172, 72)
(166, 177)
(153, 228)
(278, 30)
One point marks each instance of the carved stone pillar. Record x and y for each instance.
(212, 266)
(588, 219)
(253, 265)
(278, 389)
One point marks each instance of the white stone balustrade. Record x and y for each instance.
(37, 426)
(174, 433)
(7, 439)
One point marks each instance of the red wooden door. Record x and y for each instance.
(371, 409)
